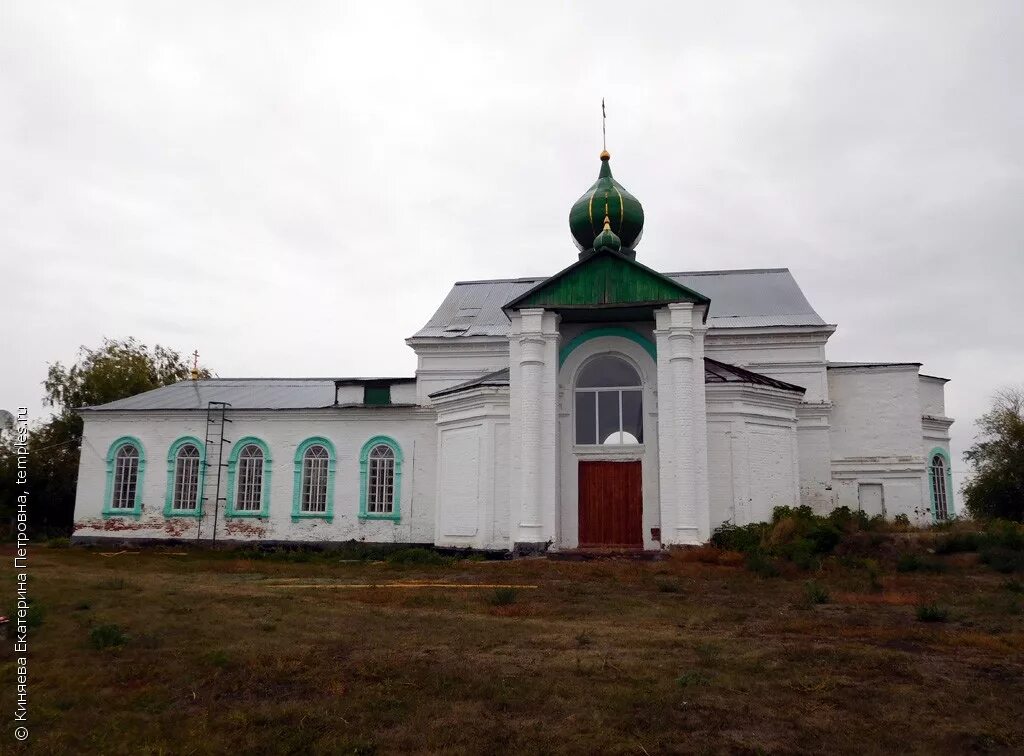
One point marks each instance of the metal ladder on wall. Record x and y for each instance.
(216, 417)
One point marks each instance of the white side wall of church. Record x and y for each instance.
(792, 354)
(413, 429)
(795, 355)
(877, 440)
(473, 470)
(933, 395)
(753, 463)
(443, 363)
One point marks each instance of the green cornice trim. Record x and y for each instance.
(950, 511)
(136, 511)
(595, 333)
(172, 460)
(264, 511)
(364, 472)
(332, 458)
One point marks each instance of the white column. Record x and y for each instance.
(677, 439)
(533, 373)
(700, 427)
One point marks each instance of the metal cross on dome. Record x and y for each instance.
(604, 127)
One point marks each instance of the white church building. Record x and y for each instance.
(608, 405)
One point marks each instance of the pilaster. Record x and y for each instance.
(682, 445)
(533, 350)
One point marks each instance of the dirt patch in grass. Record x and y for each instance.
(215, 653)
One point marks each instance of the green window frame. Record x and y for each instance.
(332, 459)
(938, 451)
(108, 495)
(364, 475)
(172, 462)
(231, 497)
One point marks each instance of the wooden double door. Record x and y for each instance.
(611, 504)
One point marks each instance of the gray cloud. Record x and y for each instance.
(292, 190)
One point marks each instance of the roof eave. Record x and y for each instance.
(697, 297)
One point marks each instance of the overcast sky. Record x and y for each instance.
(291, 188)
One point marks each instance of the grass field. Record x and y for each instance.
(157, 652)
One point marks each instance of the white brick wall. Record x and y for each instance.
(878, 435)
(752, 452)
(282, 431)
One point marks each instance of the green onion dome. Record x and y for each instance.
(624, 213)
(607, 238)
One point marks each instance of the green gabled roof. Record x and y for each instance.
(602, 280)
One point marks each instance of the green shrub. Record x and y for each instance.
(761, 565)
(667, 586)
(932, 613)
(908, 563)
(845, 519)
(693, 679)
(958, 542)
(503, 597)
(745, 539)
(58, 543)
(815, 593)
(802, 552)
(1013, 586)
(107, 636)
(1003, 559)
(1006, 534)
(901, 521)
(417, 555)
(874, 575)
(218, 658)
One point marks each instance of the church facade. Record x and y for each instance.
(606, 406)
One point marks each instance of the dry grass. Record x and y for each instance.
(691, 654)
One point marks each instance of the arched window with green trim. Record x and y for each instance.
(313, 491)
(186, 473)
(940, 484)
(249, 468)
(380, 479)
(126, 464)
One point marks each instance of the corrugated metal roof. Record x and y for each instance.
(241, 393)
(714, 372)
(497, 378)
(739, 299)
(722, 372)
(834, 365)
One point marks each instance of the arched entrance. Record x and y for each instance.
(608, 411)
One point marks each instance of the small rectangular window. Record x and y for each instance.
(377, 395)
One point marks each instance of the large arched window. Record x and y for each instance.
(125, 465)
(380, 478)
(939, 479)
(186, 465)
(609, 402)
(314, 479)
(248, 492)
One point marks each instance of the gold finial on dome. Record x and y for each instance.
(605, 155)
